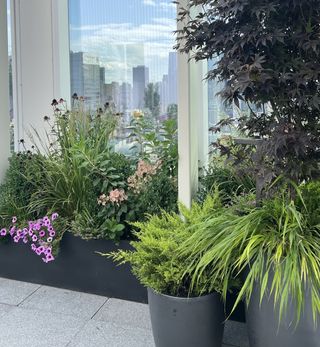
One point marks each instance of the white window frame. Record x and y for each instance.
(4, 91)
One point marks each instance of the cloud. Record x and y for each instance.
(167, 5)
(122, 46)
(149, 2)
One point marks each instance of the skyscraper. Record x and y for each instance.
(164, 93)
(125, 97)
(172, 78)
(140, 77)
(85, 78)
(102, 83)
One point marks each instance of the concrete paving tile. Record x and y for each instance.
(64, 301)
(125, 313)
(14, 292)
(5, 309)
(32, 328)
(98, 333)
(235, 334)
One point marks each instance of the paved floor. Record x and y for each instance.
(35, 316)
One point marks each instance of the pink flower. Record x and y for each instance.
(37, 226)
(49, 257)
(14, 219)
(34, 238)
(42, 233)
(12, 231)
(54, 216)
(3, 232)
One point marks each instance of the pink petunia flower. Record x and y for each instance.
(54, 216)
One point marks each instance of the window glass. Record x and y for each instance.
(11, 115)
(122, 56)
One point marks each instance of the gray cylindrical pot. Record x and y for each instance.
(264, 329)
(186, 322)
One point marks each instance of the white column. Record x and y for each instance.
(4, 91)
(192, 120)
(203, 120)
(42, 60)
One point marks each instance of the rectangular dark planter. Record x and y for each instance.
(78, 267)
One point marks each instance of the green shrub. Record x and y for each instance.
(156, 259)
(159, 193)
(22, 180)
(230, 182)
(277, 242)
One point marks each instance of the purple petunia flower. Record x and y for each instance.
(37, 231)
(48, 250)
(41, 249)
(3, 232)
(49, 257)
(37, 226)
(54, 216)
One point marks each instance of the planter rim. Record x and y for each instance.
(190, 298)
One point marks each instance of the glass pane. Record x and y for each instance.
(122, 56)
(10, 77)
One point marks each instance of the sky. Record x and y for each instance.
(9, 28)
(123, 34)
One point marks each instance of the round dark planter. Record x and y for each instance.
(186, 322)
(264, 329)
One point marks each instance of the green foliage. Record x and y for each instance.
(79, 167)
(152, 100)
(278, 243)
(159, 193)
(92, 225)
(230, 182)
(156, 259)
(20, 183)
(80, 177)
(156, 143)
(172, 111)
